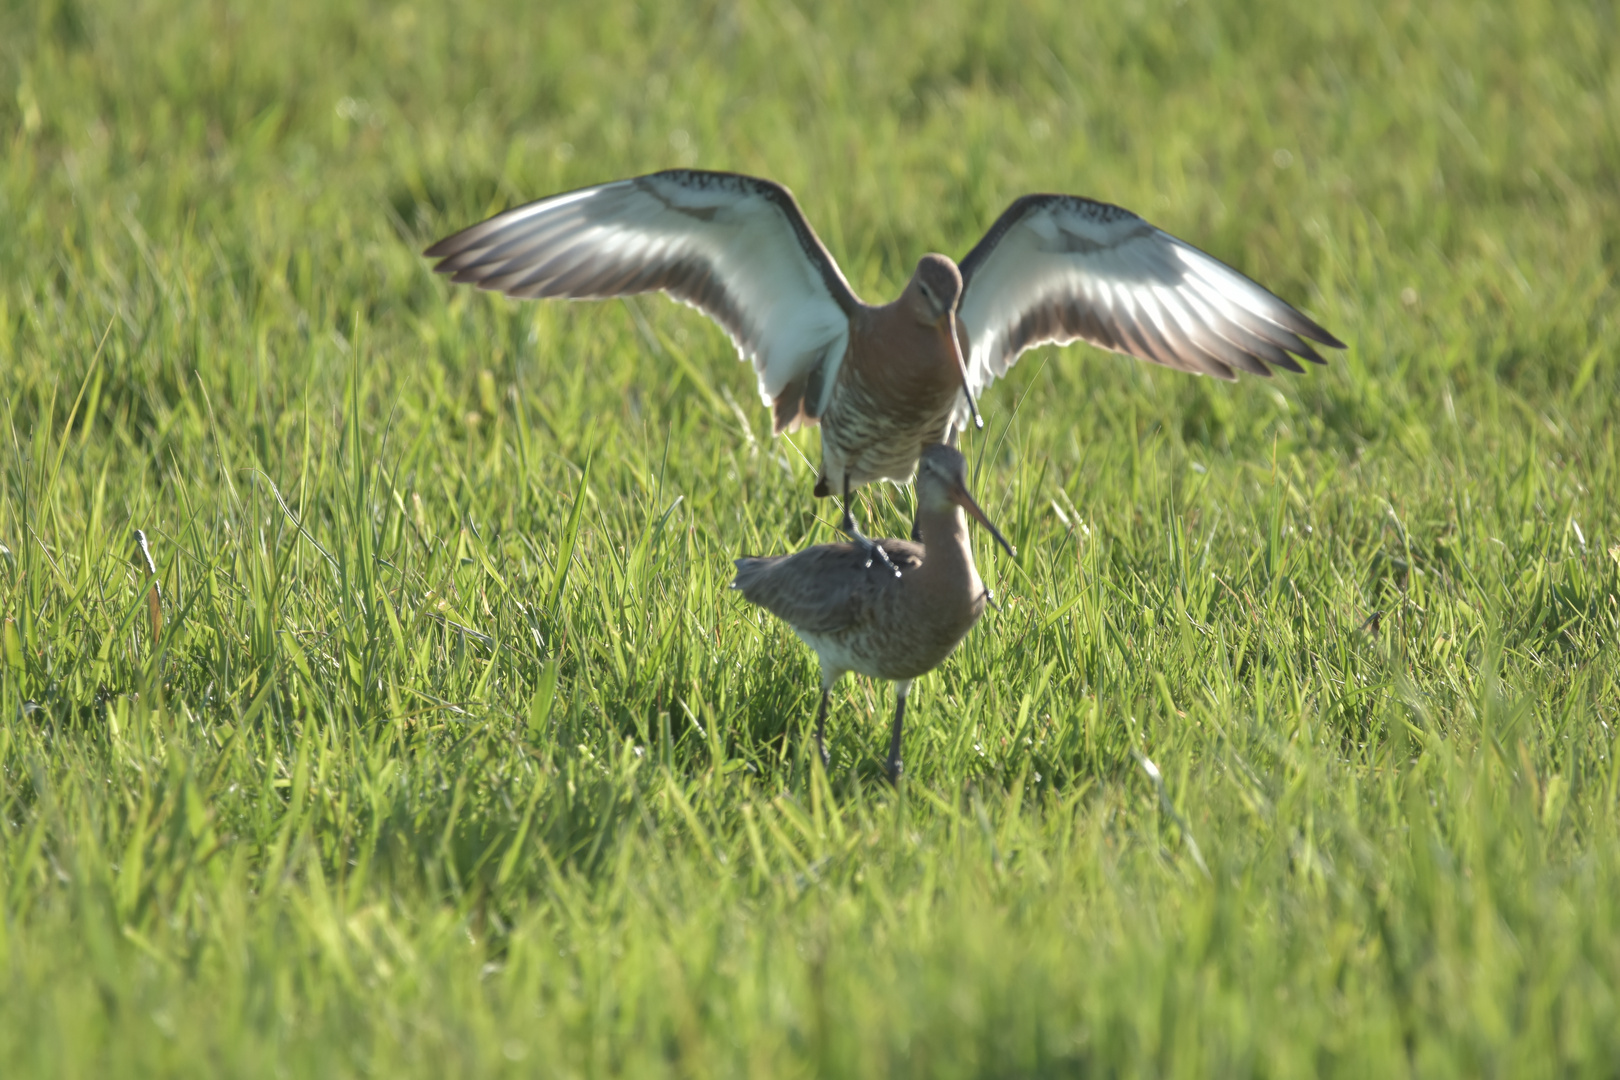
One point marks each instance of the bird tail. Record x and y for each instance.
(749, 568)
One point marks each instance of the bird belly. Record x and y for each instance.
(838, 652)
(898, 652)
(870, 439)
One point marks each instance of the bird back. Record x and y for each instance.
(823, 589)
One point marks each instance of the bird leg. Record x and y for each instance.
(821, 728)
(901, 689)
(872, 548)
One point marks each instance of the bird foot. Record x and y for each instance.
(896, 768)
(875, 553)
(873, 550)
(870, 548)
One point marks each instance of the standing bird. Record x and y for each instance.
(884, 381)
(886, 627)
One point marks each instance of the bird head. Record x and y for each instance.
(934, 292)
(937, 286)
(942, 483)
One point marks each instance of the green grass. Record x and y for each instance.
(453, 755)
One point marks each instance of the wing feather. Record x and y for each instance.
(1059, 268)
(737, 248)
(825, 589)
(1220, 356)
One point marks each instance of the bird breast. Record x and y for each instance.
(905, 364)
(896, 392)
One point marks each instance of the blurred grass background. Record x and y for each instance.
(450, 755)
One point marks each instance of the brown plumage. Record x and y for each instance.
(884, 381)
(900, 386)
(884, 626)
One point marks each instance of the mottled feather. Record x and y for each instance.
(827, 588)
(737, 248)
(1059, 268)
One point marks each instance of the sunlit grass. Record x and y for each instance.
(448, 752)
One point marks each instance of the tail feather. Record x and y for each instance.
(749, 568)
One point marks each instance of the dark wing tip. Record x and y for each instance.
(446, 250)
(1322, 337)
(1305, 326)
(443, 249)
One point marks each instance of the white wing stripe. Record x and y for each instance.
(1179, 350)
(1058, 268)
(1257, 325)
(518, 245)
(1152, 332)
(736, 248)
(1252, 297)
(531, 263)
(1230, 324)
(1199, 324)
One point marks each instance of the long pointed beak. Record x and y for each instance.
(967, 383)
(960, 496)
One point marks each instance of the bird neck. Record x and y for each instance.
(947, 553)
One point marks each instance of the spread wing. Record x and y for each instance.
(737, 248)
(823, 589)
(1060, 268)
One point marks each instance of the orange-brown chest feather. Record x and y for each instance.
(906, 365)
(896, 392)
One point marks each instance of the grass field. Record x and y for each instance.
(446, 751)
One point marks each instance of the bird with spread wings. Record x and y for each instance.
(884, 381)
